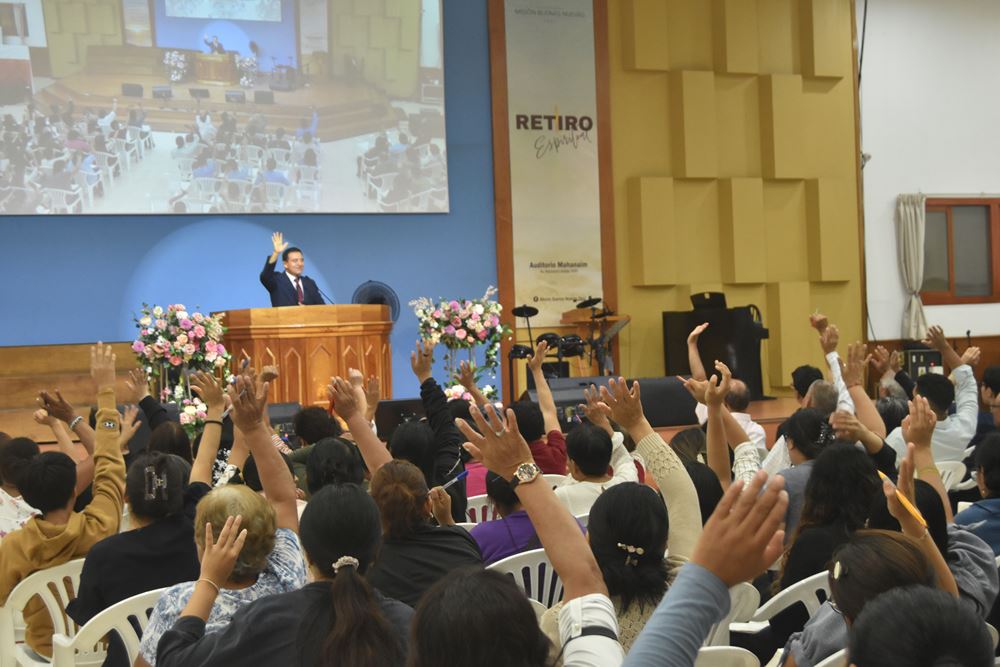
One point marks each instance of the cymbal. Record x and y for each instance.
(525, 311)
(589, 303)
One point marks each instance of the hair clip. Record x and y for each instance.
(345, 561)
(632, 553)
(155, 484)
(838, 570)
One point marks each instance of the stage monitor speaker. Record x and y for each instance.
(162, 92)
(198, 93)
(236, 97)
(131, 90)
(263, 97)
(568, 395)
(390, 414)
(666, 402)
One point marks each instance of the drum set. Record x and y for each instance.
(596, 347)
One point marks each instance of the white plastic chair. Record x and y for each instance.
(725, 656)
(277, 193)
(117, 618)
(466, 525)
(480, 509)
(994, 635)
(838, 659)
(56, 586)
(554, 480)
(538, 608)
(63, 201)
(534, 574)
(952, 473)
(806, 591)
(743, 602)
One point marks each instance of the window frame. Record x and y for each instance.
(944, 205)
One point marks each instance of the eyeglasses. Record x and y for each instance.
(833, 606)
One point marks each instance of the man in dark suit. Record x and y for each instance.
(215, 46)
(290, 287)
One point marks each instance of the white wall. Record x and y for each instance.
(930, 90)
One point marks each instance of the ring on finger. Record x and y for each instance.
(499, 432)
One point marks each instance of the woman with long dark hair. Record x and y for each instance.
(338, 619)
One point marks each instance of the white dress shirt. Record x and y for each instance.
(753, 430)
(579, 497)
(593, 650)
(295, 287)
(952, 434)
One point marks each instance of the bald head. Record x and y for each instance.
(738, 398)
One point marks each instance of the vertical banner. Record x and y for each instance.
(138, 30)
(554, 168)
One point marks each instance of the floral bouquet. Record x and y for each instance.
(459, 392)
(177, 65)
(463, 325)
(247, 68)
(192, 412)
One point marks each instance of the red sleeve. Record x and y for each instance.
(550, 454)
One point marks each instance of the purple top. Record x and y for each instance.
(506, 536)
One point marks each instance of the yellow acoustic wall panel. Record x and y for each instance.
(824, 27)
(735, 169)
(692, 117)
(736, 39)
(742, 234)
(71, 26)
(781, 125)
(653, 236)
(644, 42)
(384, 35)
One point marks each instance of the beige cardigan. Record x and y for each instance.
(681, 500)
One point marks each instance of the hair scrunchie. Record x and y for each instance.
(346, 561)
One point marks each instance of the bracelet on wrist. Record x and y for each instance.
(211, 583)
(206, 422)
(75, 422)
(932, 469)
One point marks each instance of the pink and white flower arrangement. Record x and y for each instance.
(463, 324)
(192, 412)
(172, 336)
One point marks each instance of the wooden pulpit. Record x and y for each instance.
(309, 344)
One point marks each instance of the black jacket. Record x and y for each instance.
(282, 291)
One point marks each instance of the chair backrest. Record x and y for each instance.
(56, 586)
(952, 473)
(120, 618)
(480, 509)
(533, 573)
(466, 525)
(554, 480)
(743, 602)
(725, 656)
(994, 635)
(838, 659)
(806, 591)
(538, 608)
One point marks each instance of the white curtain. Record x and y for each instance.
(910, 225)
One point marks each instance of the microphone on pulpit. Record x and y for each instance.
(323, 294)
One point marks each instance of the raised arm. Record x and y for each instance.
(209, 390)
(694, 357)
(84, 464)
(267, 275)
(853, 374)
(138, 388)
(500, 448)
(545, 400)
(59, 407)
(712, 393)
(936, 340)
(918, 430)
(662, 463)
(350, 405)
(850, 429)
(467, 376)
(828, 340)
(103, 515)
(249, 403)
(741, 539)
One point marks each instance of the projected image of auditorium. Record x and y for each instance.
(222, 107)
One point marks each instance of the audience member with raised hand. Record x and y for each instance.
(64, 442)
(853, 373)
(869, 564)
(434, 445)
(338, 618)
(467, 376)
(137, 385)
(270, 561)
(349, 402)
(807, 433)
(539, 423)
(590, 451)
(512, 532)
(918, 430)
(737, 396)
(740, 540)
(953, 433)
(829, 339)
(48, 483)
(415, 553)
(56, 406)
(722, 428)
(892, 382)
(588, 628)
(661, 462)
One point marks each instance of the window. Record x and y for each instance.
(961, 251)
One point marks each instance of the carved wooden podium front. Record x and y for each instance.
(309, 344)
